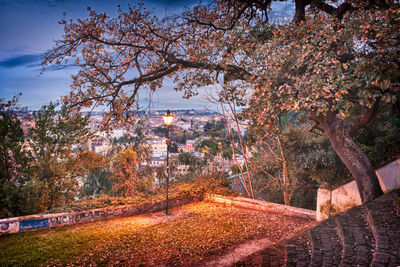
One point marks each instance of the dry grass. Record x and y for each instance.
(191, 234)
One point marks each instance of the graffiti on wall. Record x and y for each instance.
(33, 225)
(9, 228)
(22, 224)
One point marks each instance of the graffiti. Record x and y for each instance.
(90, 215)
(4, 226)
(8, 226)
(79, 216)
(35, 224)
(65, 219)
(99, 213)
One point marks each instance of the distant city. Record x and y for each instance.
(187, 133)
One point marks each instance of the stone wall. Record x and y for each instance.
(42, 221)
(253, 204)
(330, 202)
(366, 235)
(389, 176)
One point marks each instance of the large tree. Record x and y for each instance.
(336, 61)
(56, 166)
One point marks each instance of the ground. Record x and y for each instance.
(202, 233)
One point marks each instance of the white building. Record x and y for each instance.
(189, 145)
(157, 161)
(158, 146)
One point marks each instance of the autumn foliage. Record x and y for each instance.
(337, 62)
(125, 175)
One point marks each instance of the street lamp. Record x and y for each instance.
(168, 118)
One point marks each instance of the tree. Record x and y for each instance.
(194, 163)
(339, 70)
(93, 170)
(14, 161)
(333, 76)
(98, 181)
(126, 179)
(56, 167)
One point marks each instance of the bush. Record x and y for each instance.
(214, 183)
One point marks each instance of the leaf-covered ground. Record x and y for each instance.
(188, 236)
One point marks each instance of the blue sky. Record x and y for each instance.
(29, 27)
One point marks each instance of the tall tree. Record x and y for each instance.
(336, 61)
(14, 161)
(126, 179)
(57, 168)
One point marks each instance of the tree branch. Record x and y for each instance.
(364, 118)
(337, 12)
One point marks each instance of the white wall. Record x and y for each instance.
(348, 196)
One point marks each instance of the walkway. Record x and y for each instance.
(366, 235)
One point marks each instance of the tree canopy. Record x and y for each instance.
(336, 61)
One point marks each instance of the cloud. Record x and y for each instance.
(17, 61)
(171, 3)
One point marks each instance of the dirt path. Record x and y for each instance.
(243, 250)
(152, 218)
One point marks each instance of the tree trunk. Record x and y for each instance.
(354, 159)
(286, 185)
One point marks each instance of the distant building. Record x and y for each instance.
(181, 148)
(240, 159)
(159, 146)
(189, 146)
(99, 145)
(185, 125)
(157, 161)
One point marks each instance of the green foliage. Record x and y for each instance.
(310, 161)
(98, 181)
(193, 162)
(173, 148)
(56, 168)
(162, 131)
(215, 128)
(381, 139)
(311, 155)
(215, 183)
(209, 146)
(14, 161)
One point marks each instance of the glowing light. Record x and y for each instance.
(168, 118)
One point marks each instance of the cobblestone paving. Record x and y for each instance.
(367, 235)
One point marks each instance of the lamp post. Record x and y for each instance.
(168, 118)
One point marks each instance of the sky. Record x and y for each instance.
(28, 28)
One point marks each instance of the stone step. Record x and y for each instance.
(358, 241)
(298, 250)
(384, 218)
(326, 244)
(367, 235)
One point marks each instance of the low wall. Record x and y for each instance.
(330, 202)
(389, 176)
(42, 221)
(262, 206)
